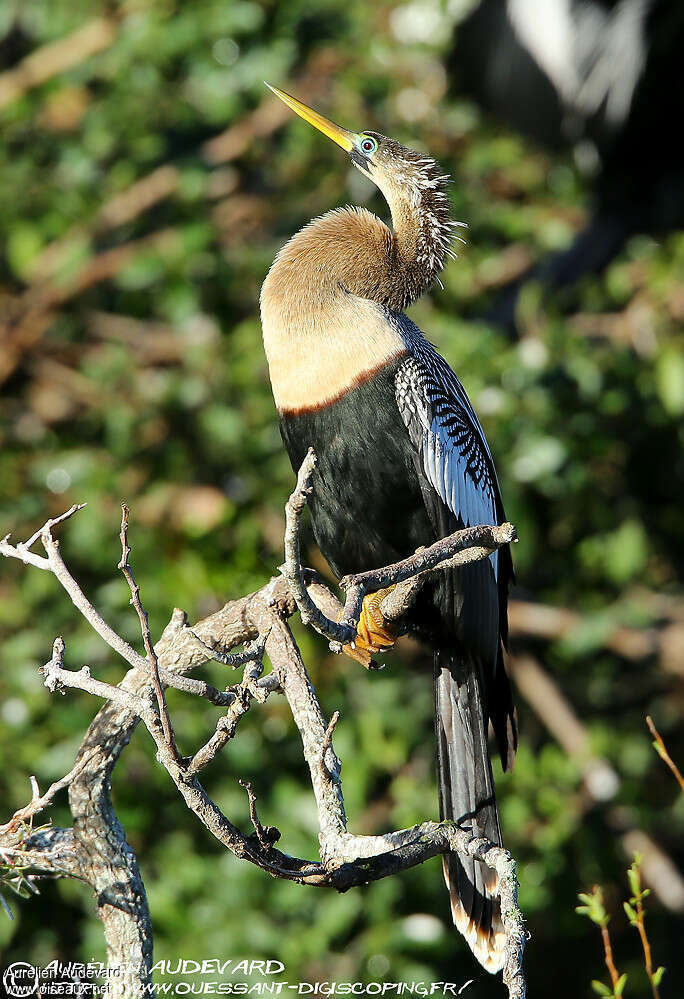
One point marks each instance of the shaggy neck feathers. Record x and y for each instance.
(415, 191)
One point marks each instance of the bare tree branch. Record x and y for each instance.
(292, 568)
(125, 567)
(267, 835)
(260, 618)
(468, 545)
(464, 546)
(39, 802)
(252, 687)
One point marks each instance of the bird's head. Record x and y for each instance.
(414, 187)
(399, 172)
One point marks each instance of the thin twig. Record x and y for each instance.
(634, 910)
(594, 909)
(40, 802)
(253, 651)
(22, 550)
(292, 568)
(662, 752)
(242, 694)
(53, 522)
(54, 563)
(57, 676)
(125, 567)
(327, 740)
(646, 946)
(267, 835)
(200, 688)
(608, 956)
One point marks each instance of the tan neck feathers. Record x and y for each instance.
(319, 354)
(324, 329)
(347, 248)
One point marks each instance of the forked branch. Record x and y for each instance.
(405, 577)
(259, 623)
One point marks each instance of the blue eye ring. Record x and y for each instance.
(368, 145)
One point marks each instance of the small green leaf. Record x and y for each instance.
(630, 912)
(621, 982)
(657, 975)
(600, 988)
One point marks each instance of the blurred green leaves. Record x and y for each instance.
(620, 555)
(145, 381)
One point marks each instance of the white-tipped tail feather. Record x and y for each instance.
(487, 944)
(466, 794)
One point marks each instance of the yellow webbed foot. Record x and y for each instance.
(374, 633)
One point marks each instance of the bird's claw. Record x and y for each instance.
(374, 632)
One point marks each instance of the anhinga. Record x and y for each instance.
(402, 461)
(603, 76)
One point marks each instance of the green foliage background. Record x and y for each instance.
(150, 385)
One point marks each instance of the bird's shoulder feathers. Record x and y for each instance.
(446, 433)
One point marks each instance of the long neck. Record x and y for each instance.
(351, 250)
(421, 238)
(323, 302)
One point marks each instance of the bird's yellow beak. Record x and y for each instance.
(335, 132)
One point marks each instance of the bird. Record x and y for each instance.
(600, 76)
(402, 462)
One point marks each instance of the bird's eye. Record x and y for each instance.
(368, 145)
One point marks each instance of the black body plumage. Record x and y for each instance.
(366, 507)
(374, 503)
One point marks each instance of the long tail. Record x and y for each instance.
(466, 794)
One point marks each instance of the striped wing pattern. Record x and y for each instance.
(448, 437)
